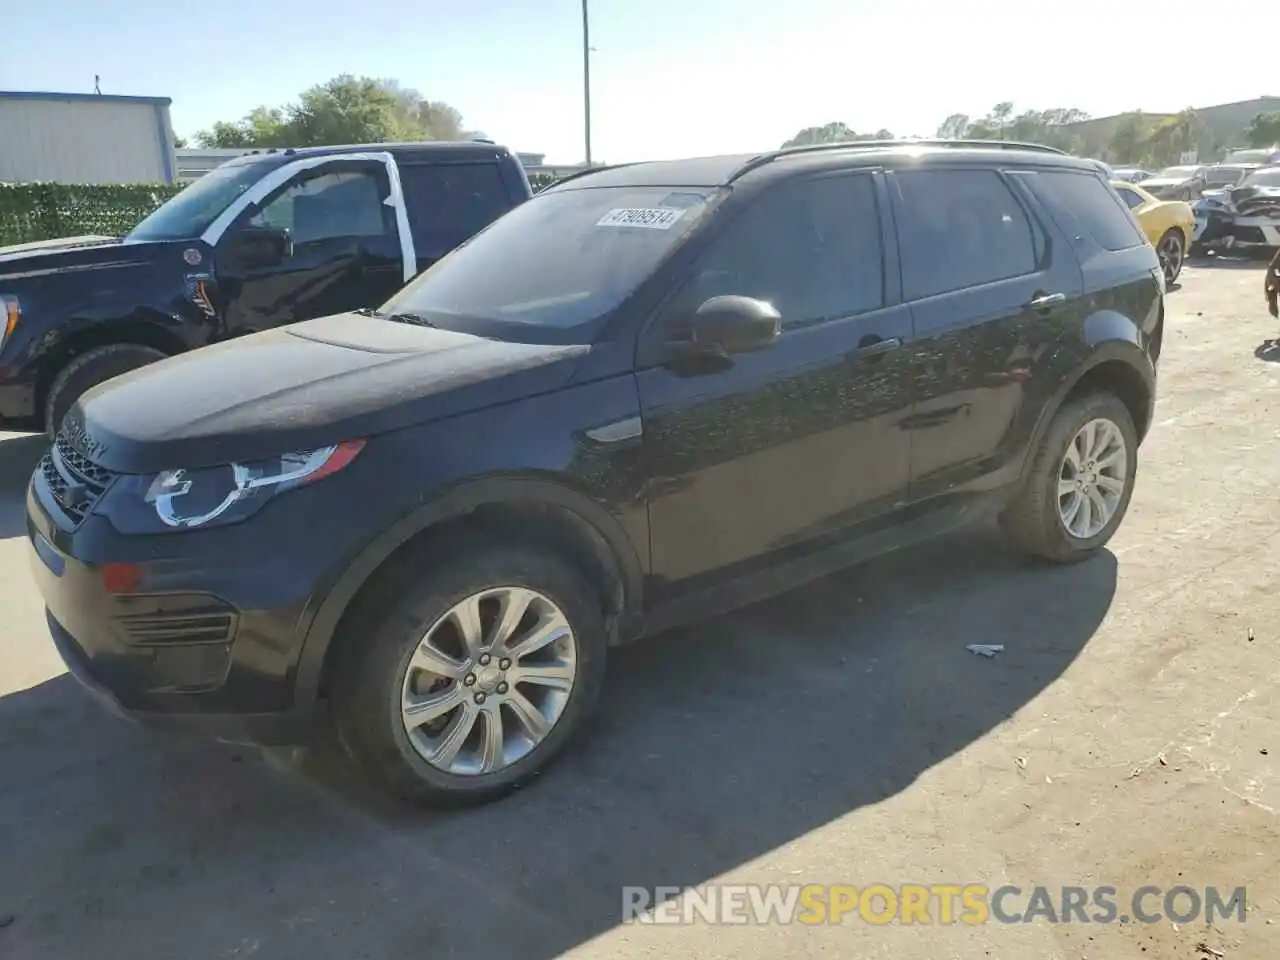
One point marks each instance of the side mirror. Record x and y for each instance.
(724, 326)
(253, 246)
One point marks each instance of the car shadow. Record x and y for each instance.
(713, 746)
(18, 457)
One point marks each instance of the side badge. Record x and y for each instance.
(192, 256)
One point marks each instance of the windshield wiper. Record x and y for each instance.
(415, 318)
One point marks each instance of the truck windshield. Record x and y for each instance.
(556, 262)
(187, 215)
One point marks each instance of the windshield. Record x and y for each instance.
(1177, 173)
(189, 214)
(557, 261)
(1262, 178)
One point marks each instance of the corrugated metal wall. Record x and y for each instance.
(84, 141)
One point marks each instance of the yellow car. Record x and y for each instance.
(1168, 224)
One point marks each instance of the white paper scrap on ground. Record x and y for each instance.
(985, 649)
(650, 218)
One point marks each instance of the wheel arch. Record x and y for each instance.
(539, 509)
(1117, 365)
(134, 330)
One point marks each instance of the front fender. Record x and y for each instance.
(455, 503)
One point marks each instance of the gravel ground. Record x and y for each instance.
(1127, 735)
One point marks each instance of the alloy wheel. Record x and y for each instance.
(1092, 478)
(488, 681)
(1171, 256)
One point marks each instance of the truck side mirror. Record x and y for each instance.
(252, 246)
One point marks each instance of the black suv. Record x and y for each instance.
(263, 240)
(650, 393)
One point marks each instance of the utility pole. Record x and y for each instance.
(586, 81)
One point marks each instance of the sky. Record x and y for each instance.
(669, 78)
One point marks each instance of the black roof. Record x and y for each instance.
(452, 149)
(724, 170)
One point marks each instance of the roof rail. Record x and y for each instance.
(582, 173)
(765, 158)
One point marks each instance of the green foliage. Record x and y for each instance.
(540, 181)
(833, 133)
(1263, 130)
(347, 109)
(44, 211)
(1031, 126)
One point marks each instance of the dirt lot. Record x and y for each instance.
(1126, 736)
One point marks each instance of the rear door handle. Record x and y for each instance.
(873, 346)
(1046, 300)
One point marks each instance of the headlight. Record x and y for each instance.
(10, 311)
(216, 496)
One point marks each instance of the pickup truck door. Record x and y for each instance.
(347, 246)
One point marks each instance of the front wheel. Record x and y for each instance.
(1172, 252)
(476, 677)
(1081, 478)
(87, 371)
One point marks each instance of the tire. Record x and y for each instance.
(1034, 522)
(376, 660)
(88, 370)
(1172, 250)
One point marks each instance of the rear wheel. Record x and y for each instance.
(1172, 251)
(1080, 482)
(475, 678)
(87, 371)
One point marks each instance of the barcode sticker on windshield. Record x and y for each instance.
(650, 218)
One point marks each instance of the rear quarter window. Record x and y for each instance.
(1088, 201)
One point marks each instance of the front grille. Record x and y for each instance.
(75, 482)
(191, 627)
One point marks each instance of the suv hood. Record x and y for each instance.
(304, 386)
(71, 254)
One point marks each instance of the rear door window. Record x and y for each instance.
(962, 228)
(449, 202)
(1094, 205)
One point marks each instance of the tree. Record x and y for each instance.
(1128, 143)
(955, 127)
(1263, 130)
(1173, 136)
(833, 133)
(179, 143)
(346, 109)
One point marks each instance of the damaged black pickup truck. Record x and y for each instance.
(263, 240)
(1245, 216)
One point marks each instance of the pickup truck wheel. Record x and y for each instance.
(88, 370)
(1080, 482)
(475, 678)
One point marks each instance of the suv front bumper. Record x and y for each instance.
(201, 630)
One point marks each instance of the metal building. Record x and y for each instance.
(85, 138)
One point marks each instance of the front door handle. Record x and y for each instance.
(872, 346)
(1044, 301)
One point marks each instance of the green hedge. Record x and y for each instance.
(44, 211)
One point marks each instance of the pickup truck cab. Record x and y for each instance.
(263, 240)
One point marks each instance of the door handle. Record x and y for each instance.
(1044, 301)
(872, 346)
